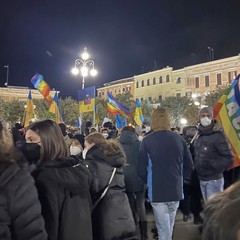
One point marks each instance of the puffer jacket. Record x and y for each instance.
(130, 144)
(212, 152)
(64, 192)
(20, 209)
(112, 217)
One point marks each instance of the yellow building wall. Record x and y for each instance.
(182, 82)
(20, 93)
(118, 88)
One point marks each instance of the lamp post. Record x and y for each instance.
(82, 66)
(7, 76)
(211, 53)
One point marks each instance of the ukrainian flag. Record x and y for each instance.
(29, 112)
(138, 116)
(54, 108)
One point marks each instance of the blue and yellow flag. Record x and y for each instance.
(138, 116)
(29, 112)
(54, 108)
(227, 111)
(86, 98)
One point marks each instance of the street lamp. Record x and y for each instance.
(211, 53)
(82, 66)
(197, 99)
(7, 76)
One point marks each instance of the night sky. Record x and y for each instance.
(123, 37)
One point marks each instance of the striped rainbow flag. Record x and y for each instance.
(115, 107)
(227, 111)
(42, 86)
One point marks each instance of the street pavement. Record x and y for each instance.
(182, 230)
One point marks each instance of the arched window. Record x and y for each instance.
(154, 81)
(167, 78)
(142, 83)
(160, 79)
(148, 82)
(137, 85)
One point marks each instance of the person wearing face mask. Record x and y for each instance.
(63, 183)
(20, 209)
(76, 148)
(105, 133)
(212, 154)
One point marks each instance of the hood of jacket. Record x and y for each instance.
(8, 171)
(68, 173)
(117, 160)
(128, 137)
(213, 127)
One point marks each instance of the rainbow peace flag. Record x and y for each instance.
(29, 112)
(227, 111)
(54, 108)
(42, 87)
(115, 107)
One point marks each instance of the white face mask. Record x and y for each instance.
(205, 121)
(140, 138)
(84, 153)
(75, 150)
(105, 135)
(147, 129)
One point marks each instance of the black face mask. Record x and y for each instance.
(31, 152)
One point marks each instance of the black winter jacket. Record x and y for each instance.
(131, 145)
(63, 186)
(20, 210)
(212, 152)
(112, 217)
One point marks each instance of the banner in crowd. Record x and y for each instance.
(86, 98)
(42, 87)
(138, 116)
(115, 107)
(29, 112)
(227, 111)
(54, 108)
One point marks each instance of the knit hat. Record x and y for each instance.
(206, 110)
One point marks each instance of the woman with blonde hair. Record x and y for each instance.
(63, 184)
(112, 216)
(20, 210)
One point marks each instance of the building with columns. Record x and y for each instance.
(116, 87)
(197, 79)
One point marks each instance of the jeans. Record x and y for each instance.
(211, 187)
(165, 213)
(137, 204)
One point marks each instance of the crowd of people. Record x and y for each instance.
(93, 185)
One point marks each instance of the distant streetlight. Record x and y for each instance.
(197, 99)
(82, 66)
(211, 53)
(7, 75)
(183, 121)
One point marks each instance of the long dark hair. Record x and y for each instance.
(53, 145)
